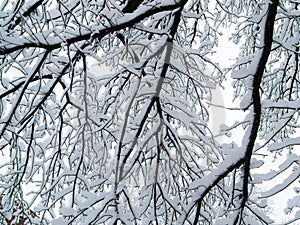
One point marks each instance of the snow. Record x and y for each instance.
(256, 163)
(190, 128)
(260, 214)
(285, 143)
(241, 73)
(206, 181)
(292, 203)
(59, 221)
(66, 211)
(281, 168)
(285, 183)
(281, 104)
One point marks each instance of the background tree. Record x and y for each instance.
(134, 146)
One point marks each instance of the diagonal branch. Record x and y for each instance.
(126, 21)
(253, 129)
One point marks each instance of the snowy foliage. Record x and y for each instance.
(133, 145)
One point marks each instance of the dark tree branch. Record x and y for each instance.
(131, 6)
(30, 10)
(92, 35)
(267, 42)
